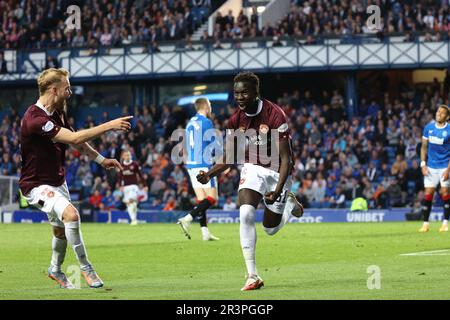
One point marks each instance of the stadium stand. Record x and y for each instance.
(371, 154)
(40, 24)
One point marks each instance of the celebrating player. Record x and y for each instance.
(45, 133)
(129, 179)
(270, 182)
(196, 162)
(436, 145)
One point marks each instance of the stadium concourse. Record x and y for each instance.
(372, 155)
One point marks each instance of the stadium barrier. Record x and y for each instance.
(220, 216)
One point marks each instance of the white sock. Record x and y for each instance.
(445, 222)
(75, 239)
(248, 236)
(59, 247)
(132, 211)
(188, 217)
(205, 231)
(426, 223)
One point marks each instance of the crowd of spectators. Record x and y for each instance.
(371, 155)
(41, 24)
(37, 24)
(312, 19)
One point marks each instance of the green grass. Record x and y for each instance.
(302, 261)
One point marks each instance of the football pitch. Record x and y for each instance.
(302, 261)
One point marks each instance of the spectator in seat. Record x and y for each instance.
(399, 166)
(338, 199)
(171, 204)
(229, 204)
(3, 67)
(96, 199)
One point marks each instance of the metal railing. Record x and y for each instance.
(9, 190)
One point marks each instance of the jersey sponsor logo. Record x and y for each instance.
(48, 126)
(264, 128)
(436, 140)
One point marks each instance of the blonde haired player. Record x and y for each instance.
(195, 145)
(129, 179)
(45, 133)
(435, 156)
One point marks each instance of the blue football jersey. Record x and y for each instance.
(197, 142)
(438, 145)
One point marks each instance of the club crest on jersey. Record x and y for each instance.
(263, 128)
(48, 126)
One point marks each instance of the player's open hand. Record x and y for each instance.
(203, 177)
(425, 171)
(111, 164)
(122, 123)
(270, 197)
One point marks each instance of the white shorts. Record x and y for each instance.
(130, 193)
(263, 180)
(434, 177)
(51, 200)
(193, 172)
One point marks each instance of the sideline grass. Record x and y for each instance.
(302, 261)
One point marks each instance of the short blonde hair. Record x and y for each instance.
(201, 103)
(49, 77)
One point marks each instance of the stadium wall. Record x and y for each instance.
(220, 216)
(291, 58)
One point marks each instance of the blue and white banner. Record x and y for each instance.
(220, 216)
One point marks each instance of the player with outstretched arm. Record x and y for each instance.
(45, 134)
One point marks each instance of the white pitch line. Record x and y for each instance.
(444, 252)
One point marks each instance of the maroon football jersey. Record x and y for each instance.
(268, 117)
(42, 159)
(131, 174)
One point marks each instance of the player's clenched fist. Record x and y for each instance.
(121, 123)
(203, 177)
(270, 197)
